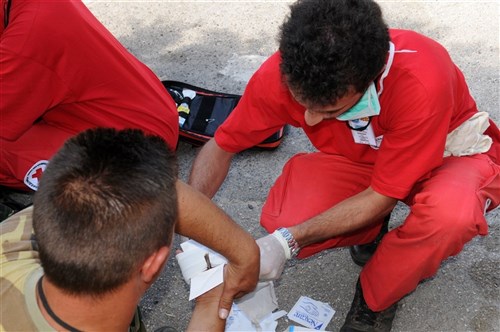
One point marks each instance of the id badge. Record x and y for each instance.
(366, 136)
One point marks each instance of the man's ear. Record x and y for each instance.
(153, 265)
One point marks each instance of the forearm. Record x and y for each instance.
(352, 214)
(203, 221)
(210, 168)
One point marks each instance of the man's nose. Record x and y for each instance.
(313, 118)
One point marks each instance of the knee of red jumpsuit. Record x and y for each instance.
(432, 232)
(453, 224)
(7, 176)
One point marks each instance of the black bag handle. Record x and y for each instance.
(181, 85)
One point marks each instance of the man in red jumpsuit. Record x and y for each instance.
(62, 72)
(393, 120)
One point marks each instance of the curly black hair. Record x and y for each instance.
(331, 46)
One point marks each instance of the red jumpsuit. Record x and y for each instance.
(424, 97)
(62, 72)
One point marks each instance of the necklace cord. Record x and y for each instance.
(47, 308)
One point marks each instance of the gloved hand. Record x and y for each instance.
(274, 253)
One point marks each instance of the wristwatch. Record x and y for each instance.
(293, 246)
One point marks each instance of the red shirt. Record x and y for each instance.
(60, 65)
(425, 96)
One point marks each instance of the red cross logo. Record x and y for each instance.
(35, 173)
(38, 174)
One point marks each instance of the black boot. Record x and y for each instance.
(361, 319)
(12, 201)
(5, 212)
(362, 253)
(166, 329)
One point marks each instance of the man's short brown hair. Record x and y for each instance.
(106, 201)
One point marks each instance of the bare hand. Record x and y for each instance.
(238, 280)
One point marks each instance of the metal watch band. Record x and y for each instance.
(292, 244)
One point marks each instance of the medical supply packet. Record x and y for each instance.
(311, 313)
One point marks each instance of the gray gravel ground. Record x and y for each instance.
(217, 45)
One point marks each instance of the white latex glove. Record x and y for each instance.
(274, 253)
(469, 139)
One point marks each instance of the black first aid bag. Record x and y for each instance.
(202, 111)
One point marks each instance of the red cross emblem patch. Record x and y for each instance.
(33, 176)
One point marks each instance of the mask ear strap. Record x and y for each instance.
(392, 50)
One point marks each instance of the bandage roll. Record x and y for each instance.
(191, 264)
(192, 259)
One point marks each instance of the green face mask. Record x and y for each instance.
(367, 106)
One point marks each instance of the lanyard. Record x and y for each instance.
(51, 313)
